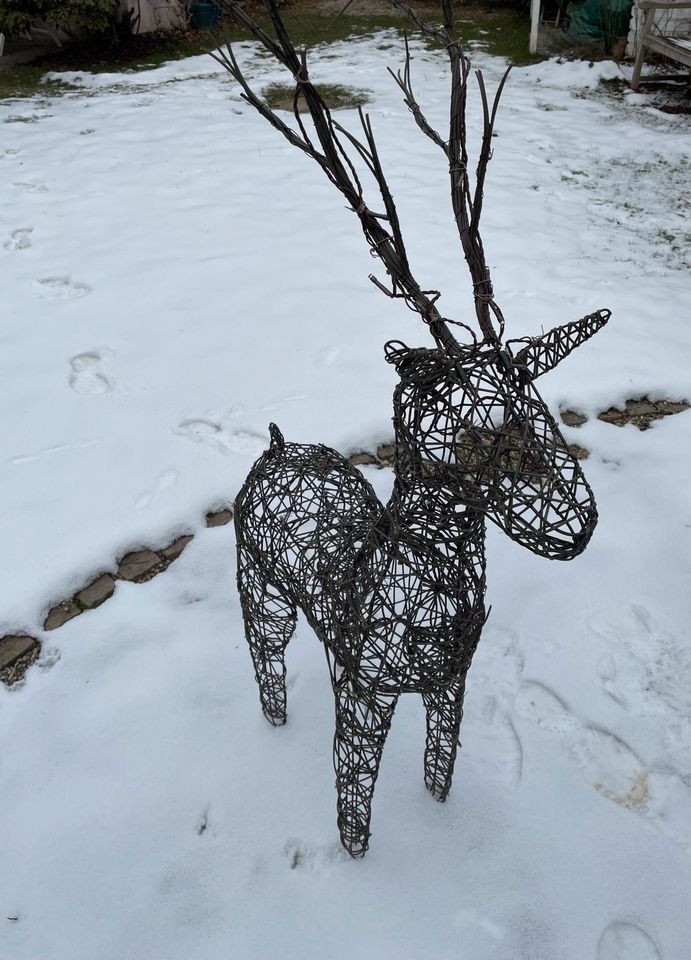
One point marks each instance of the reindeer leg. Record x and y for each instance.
(361, 729)
(269, 624)
(444, 713)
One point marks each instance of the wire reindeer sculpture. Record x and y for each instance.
(395, 592)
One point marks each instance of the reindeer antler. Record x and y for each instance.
(467, 204)
(383, 230)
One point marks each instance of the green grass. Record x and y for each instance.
(22, 81)
(279, 96)
(506, 35)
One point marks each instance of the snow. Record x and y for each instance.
(174, 276)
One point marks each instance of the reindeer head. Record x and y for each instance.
(473, 421)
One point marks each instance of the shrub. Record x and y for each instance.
(90, 16)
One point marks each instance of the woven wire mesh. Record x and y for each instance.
(395, 592)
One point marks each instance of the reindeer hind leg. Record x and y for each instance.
(269, 624)
(444, 714)
(361, 729)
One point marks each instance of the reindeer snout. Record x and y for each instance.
(568, 549)
(581, 540)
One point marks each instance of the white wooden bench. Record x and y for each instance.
(677, 48)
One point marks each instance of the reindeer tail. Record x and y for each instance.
(277, 441)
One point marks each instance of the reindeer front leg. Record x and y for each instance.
(269, 624)
(361, 729)
(444, 713)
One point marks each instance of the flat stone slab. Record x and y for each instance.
(61, 613)
(174, 549)
(358, 459)
(579, 452)
(137, 565)
(572, 418)
(642, 412)
(15, 646)
(96, 593)
(386, 452)
(219, 519)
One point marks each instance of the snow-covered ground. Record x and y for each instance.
(174, 276)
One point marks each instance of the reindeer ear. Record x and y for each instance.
(397, 353)
(406, 360)
(417, 365)
(543, 353)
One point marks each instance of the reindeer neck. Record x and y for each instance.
(425, 511)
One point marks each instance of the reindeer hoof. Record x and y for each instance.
(277, 719)
(439, 791)
(356, 848)
(355, 838)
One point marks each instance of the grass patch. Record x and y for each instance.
(279, 96)
(503, 32)
(21, 81)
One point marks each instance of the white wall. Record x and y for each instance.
(157, 14)
(667, 22)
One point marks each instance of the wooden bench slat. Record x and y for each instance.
(668, 47)
(673, 47)
(654, 5)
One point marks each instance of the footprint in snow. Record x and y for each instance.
(51, 451)
(166, 480)
(212, 434)
(670, 806)
(60, 288)
(626, 941)
(497, 749)
(469, 917)
(278, 404)
(87, 377)
(30, 187)
(49, 657)
(648, 668)
(303, 856)
(646, 672)
(20, 239)
(660, 794)
(606, 762)
(490, 739)
(327, 356)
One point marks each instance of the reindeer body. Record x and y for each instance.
(312, 535)
(361, 572)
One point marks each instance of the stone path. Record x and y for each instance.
(19, 651)
(641, 413)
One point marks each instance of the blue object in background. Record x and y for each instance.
(599, 19)
(203, 16)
